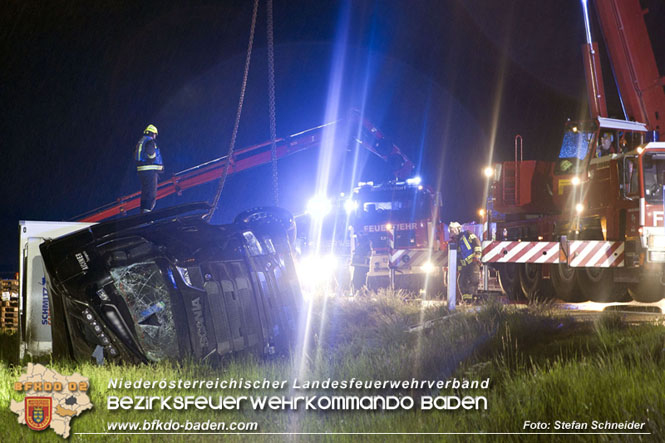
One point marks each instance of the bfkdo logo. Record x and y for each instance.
(38, 412)
(52, 400)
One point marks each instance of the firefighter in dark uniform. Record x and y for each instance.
(469, 253)
(148, 165)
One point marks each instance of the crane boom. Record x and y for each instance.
(592, 220)
(634, 64)
(253, 156)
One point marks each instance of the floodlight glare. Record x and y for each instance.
(316, 272)
(428, 267)
(319, 206)
(350, 206)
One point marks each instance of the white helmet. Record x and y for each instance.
(454, 228)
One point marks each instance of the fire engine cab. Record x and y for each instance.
(395, 227)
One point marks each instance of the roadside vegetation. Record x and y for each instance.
(543, 366)
(9, 347)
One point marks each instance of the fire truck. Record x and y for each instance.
(397, 237)
(589, 226)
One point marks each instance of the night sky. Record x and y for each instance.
(80, 80)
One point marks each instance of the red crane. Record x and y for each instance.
(589, 226)
(636, 73)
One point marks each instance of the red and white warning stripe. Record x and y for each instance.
(581, 253)
(520, 252)
(409, 258)
(595, 254)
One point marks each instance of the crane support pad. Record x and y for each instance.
(595, 254)
(520, 252)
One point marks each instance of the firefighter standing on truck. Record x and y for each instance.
(469, 253)
(148, 166)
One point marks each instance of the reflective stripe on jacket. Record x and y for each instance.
(469, 247)
(147, 155)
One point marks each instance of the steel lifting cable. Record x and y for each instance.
(271, 101)
(229, 157)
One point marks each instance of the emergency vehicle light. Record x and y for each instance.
(350, 205)
(428, 267)
(319, 206)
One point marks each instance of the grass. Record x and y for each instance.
(9, 347)
(543, 366)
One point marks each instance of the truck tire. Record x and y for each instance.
(648, 290)
(597, 284)
(269, 216)
(509, 281)
(532, 283)
(377, 282)
(564, 281)
(359, 277)
(435, 287)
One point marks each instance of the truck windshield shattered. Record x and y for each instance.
(168, 285)
(142, 286)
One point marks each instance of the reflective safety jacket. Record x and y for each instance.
(147, 155)
(470, 248)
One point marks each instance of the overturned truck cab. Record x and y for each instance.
(169, 285)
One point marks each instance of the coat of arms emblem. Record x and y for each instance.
(38, 412)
